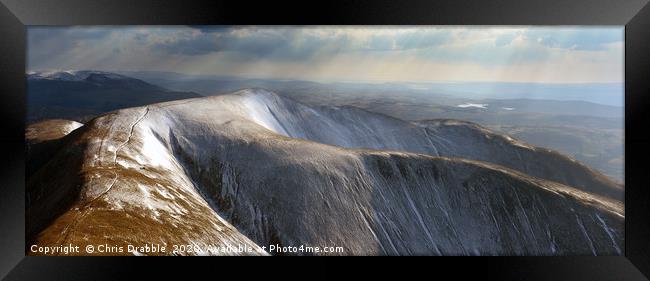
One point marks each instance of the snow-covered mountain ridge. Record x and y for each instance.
(257, 169)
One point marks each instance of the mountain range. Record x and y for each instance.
(82, 95)
(584, 121)
(257, 169)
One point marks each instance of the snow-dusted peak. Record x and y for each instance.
(72, 75)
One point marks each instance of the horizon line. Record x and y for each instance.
(323, 81)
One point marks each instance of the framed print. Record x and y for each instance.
(514, 132)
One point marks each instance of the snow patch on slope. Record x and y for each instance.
(73, 125)
(257, 105)
(474, 105)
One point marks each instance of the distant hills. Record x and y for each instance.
(603, 94)
(584, 121)
(588, 131)
(81, 95)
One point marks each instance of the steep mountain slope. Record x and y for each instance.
(43, 140)
(49, 130)
(82, 196)
(241, 169)
(560, 117)
(356, 128)
(81, 95)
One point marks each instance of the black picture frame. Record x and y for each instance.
(15, 15)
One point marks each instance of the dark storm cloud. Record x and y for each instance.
(47, 42)
(422, 40)
(198, 45)
(70, 36)
(297, 44)
(333, 52)
(294, 44)
(252, 43)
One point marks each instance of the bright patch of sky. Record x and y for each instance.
(379, 54)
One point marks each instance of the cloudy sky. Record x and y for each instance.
(419, 54)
